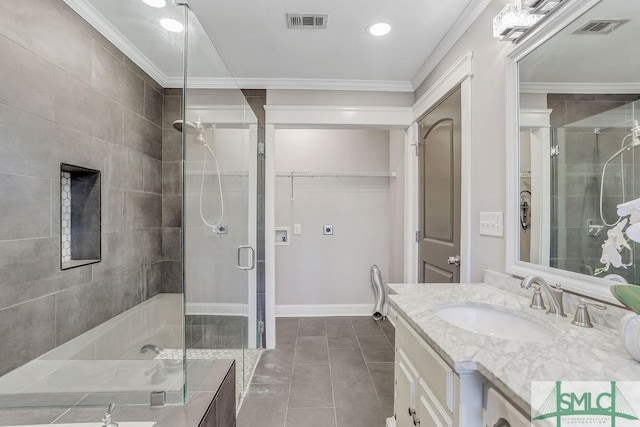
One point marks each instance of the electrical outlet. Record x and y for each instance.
(297, 229)
(491, 224)
(327, 230)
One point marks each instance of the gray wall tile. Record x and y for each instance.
(65, 93)
(172, 111)
(30, 269)
(171, 178)
(43, 29)
(18, 347)
(113, 79)
(172, 244)
(112, 210)
(171, 211)
(25, 208)
(79, 107)
(35, 147)
(140, 73)
(152, 280)
(142, 210)
(25, 81)
(142, 135)
(172, 277)
(153, 102)
(152, 175)
(153, 238)
(171, 145)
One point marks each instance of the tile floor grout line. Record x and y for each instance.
(333, 394)
(293, 364)
(369, 372)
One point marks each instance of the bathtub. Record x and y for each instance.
(104, 364)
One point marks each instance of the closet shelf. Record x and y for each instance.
(303, 174)
(315, 174)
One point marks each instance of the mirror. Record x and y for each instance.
(578, 171)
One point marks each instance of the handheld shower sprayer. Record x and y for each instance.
(198, 131)
(635, 141)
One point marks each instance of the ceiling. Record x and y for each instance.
(254, 45)
(590, 59)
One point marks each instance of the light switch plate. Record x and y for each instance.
(491, 224)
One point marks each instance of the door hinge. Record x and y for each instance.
(418, 236)
(555, 150)
(260, 147)
(417, 147)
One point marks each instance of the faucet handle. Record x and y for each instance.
(582, 317)
(537, 303)
(106, 419)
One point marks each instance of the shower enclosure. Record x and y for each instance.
(585, 193)
(205, 194)
(219, 212)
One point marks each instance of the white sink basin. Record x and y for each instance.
(494, 322)
(125, 424)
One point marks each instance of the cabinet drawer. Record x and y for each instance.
(430, 412)
(435, 372)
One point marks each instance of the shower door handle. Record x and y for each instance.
(253, 257)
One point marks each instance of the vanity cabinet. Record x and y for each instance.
(428, 392)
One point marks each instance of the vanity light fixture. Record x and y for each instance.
(379, 29)
(172, 25)
(156, 3)
(516, 19)
(513, 21)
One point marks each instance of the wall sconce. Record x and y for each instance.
(514, 20)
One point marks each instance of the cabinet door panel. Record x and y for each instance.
(429, 410)
(406, 377)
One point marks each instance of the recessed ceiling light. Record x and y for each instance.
(379, 29)
(156, 3)
(172, 25)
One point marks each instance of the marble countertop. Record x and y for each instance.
(574, 354)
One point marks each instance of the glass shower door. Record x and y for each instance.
(219, 161)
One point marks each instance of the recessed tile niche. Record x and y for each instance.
(80, 216)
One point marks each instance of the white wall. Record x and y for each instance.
(488, 130)
(318, 269)
(210, 259)
(396, 206)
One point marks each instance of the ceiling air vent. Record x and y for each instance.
(305, 20)
(600, 26)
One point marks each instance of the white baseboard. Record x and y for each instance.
(321, 310)
(216, 309)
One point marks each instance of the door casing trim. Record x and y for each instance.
(459, 74)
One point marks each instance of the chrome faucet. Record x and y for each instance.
(151, 347)
(554, 293)
(106, 419)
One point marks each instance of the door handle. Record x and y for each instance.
(453, 260)
(253, 257)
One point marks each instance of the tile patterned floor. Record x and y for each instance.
(246, 360)
(324, 372)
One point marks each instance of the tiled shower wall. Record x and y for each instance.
(576, 180)
(67, 95)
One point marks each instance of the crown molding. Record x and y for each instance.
(580, 88)
(329, 115)
(291, 84)
(462, 24)
(111, 33)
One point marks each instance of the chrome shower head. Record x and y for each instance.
(191, 128)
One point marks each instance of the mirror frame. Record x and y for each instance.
(577, 283)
